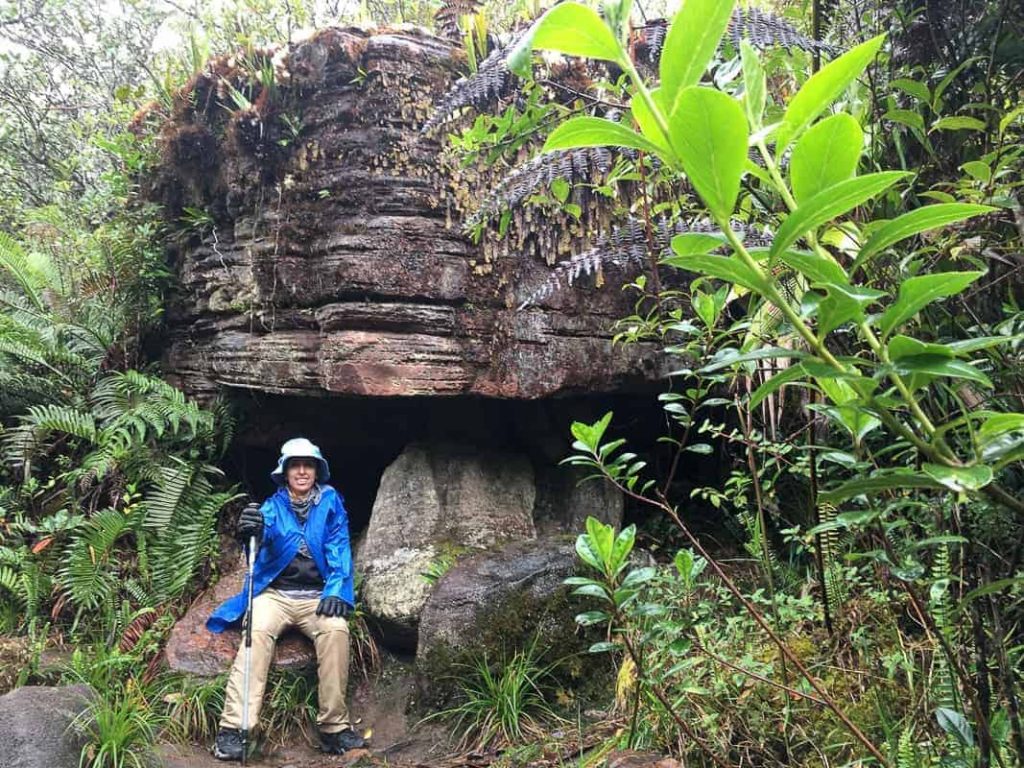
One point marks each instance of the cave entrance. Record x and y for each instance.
(361, 436)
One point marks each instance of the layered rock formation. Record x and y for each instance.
(320, 250)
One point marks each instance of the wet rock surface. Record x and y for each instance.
(517, 584)
(436, 502)
(192, 648)
(329, 257)
(35, 727)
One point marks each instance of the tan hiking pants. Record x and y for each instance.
(272, 614)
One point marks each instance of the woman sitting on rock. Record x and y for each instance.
(302, 577)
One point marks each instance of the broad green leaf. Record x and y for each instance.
(958, 124)
(815, 267)
(727, 268)
(696, 243)
(591, 617)
(728, 357)
(891, 480)
(826, 155)
(690, 44)
(915, 222)
(709, 131)
(1009, 118)
(907, 117)
(755, 88)
(924, 368)
(602, 539)
(1001, 423)
(603, 647)
(576, 30)
(914, 88)
(842, 304)
(595, 132)
(775, 382)
(979, 170)
(826, 205)
(824, 87)
(955, 724)
(966, 346)
(1001, 437)
(585, 549)
(649, 125)
(905, 346)
(918, 292)
(639, 576)
(959, 479)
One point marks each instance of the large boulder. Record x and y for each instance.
(192, 648)
(565, 500)
(330, 257)
(35, 726)
(436, 502)
(500, 600)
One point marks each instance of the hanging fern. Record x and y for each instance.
(448, 16)
(627, 246)
(572, 166)
(491, 82)
(765, 30)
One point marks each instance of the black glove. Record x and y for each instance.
(250, 523)
(333, 606)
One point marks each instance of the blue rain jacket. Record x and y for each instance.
(326, 533)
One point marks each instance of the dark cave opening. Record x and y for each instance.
(361, 436)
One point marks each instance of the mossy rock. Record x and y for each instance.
(493, 604)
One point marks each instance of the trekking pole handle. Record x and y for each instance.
(250, 567)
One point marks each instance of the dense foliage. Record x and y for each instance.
(858, 371)
(821, 226)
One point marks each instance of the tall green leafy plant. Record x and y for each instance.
(819, 311)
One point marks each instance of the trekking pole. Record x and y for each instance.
(250, 562)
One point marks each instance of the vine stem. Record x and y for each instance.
(755, 614)
(660, 695)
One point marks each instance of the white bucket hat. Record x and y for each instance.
(301, 448)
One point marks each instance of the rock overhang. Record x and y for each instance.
(331, 261)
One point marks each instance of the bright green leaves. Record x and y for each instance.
(595, 132)
(826, 155)
(842, 303)
(690, 44)
(755, 85)
(918, 292)
(604, 457)
(959, 479)
(709, 132)
(691, 254)
(824, 87)
(915, 222)
(832, 202)
(920, 363)
(569, 28)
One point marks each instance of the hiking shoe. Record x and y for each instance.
(228, 745)
(341, 742)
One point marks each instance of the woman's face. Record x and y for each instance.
(301, 475)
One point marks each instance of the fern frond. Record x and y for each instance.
(163, 502)
(570, 165)
(15, 261)
(759, 28)
(627, 246)
(447, 17)
(61, 418)
(492, 82)
(765, 30)
(90, 574)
